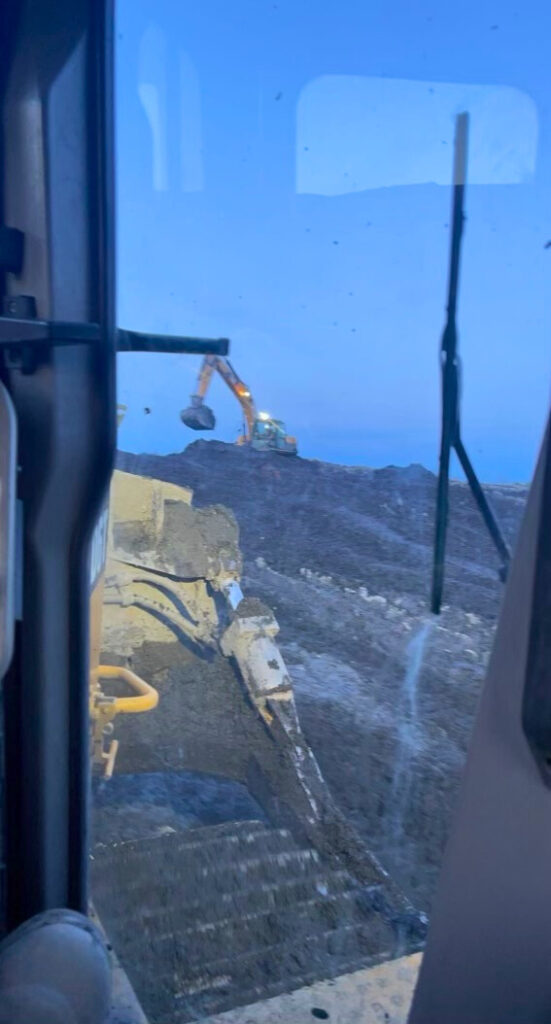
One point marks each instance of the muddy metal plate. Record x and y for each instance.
(377, 995)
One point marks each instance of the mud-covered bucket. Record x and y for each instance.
(198, 416)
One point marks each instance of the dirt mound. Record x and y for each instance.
(358, 525)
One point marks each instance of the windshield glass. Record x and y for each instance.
(285, 180)
(267, 427)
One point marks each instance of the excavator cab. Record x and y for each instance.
(271, 435)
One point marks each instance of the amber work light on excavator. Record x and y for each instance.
(486, 959)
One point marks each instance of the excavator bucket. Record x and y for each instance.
(198, 416)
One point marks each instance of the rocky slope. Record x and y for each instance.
(386, 694)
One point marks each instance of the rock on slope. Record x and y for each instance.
(385, 694)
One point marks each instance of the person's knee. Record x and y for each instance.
(54, 969)
(34, 1004)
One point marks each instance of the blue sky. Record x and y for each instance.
(284, 181)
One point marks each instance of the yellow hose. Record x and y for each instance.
(148, 696)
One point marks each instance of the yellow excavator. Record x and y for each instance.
(261, 431)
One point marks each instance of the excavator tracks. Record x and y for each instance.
(222, 916)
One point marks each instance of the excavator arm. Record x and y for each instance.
(205, 376)
(240, 390)
(199, 416)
